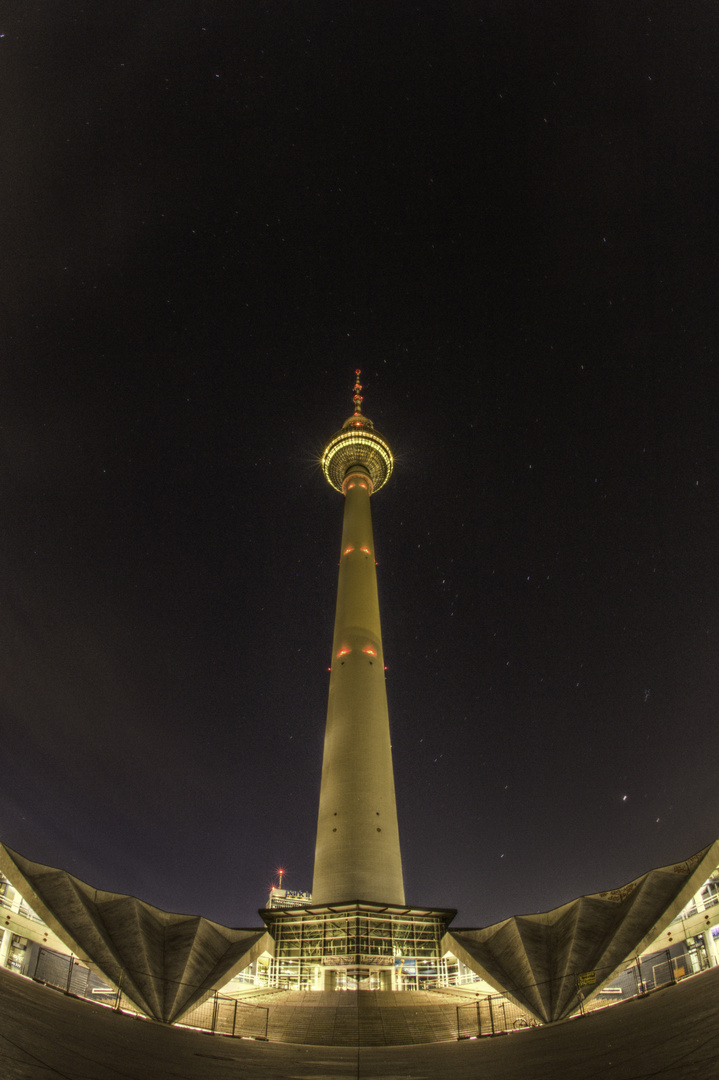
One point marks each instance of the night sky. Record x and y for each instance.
(506, 215)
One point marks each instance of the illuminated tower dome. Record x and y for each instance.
(357, 447)
(357, 855)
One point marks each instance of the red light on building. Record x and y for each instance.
(370, 650)
(366, 550)
(343, 652)
(347, 550)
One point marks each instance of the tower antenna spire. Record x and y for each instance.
(357, 399)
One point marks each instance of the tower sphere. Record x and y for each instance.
(357, 444)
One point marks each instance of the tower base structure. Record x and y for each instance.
(357, 946)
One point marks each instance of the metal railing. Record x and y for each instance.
(217, 1013)
(641, 976)
(10, 904)
(495, 1014)
(491, 1014)
(227, 1016)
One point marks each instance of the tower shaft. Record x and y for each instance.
(357, 856)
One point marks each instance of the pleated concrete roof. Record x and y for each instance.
(536, 959)
(165, 963)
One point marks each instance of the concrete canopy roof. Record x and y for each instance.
(165, 963)
(535, 959)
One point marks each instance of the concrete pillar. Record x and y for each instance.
(14, 905)
(357, 855)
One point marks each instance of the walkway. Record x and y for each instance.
(673, 1033)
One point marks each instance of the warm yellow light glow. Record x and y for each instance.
(357, 447)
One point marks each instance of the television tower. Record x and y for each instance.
(357, 855)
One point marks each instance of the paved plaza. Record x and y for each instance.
(672, 1033)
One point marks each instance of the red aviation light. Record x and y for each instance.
(362, 485)
(350, 486)
(366, 550)
(343, 652)
(370, 650)
(348, 549)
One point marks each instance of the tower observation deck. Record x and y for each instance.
(357, 855)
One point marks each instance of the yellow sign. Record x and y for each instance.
(587, 978)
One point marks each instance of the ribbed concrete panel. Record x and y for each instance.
(50, 892)
(165, 963)
(214, 955)
(535, 959)
(187, 962)
(138, 933)
(499, 957)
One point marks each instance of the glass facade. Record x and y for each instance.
(357, 947)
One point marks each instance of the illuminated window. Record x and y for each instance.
(359, 447)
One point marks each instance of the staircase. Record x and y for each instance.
(362, 1017)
